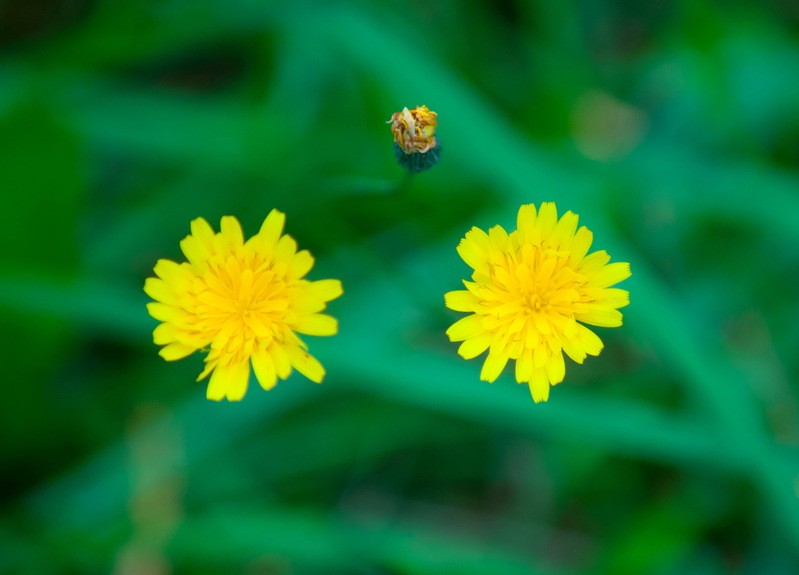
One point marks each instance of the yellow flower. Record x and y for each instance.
(531, 290)
(243, 302)
(414, 130)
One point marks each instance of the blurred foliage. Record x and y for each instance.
(671, 127)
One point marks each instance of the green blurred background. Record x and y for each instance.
(671, 127)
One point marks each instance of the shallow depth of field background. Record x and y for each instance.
(670, 127)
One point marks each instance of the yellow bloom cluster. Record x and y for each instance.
(531, 292)
(245, 302)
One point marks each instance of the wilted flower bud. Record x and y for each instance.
(415, 143)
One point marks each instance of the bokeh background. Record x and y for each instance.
(671, 127)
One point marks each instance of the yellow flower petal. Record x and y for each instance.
(493, 366)
(228, 381)
(588, 340)
(175, 351)
(592, 263)
(264, 369)
(610, 274)
(306, 364)
(580, 245)
(300, 265)
(499, 240)
(200, 245)
(539, 385)
(461, 300)
(473, 248)
(600, 316)
(163, 312)
(524, 366)
(474, 346)
(210, 364)
(573, 349)
(284, 252)
(469, 326)
(160, 291)
(607, 297)
(324, 290)
(614, 297)
(540, 356)
(547, 218)
(165, 333)
(168, 270)
(272, 228)
(231, 232)
(317, 324)
(555, 368)
(238, 380)
(526, 223)
(564, 230)
(201, 231)
(280, 360)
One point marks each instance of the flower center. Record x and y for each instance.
(249, 306)
(534, 301)
(243, 308)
